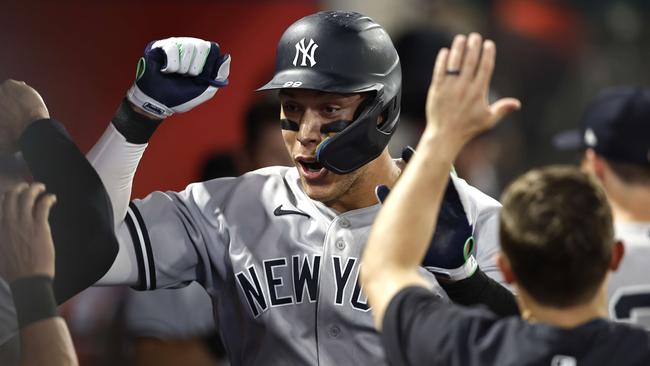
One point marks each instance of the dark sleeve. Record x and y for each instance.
(136, 128)
(419, 329)
(82, 219)
(479, 289)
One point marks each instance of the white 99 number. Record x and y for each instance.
(292, 84)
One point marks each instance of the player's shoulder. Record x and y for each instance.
(261, 185)
(252, 179)
(273, 178)
(271, 172)
(634, 234)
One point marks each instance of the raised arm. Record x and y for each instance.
(174, 76)
(457, 110)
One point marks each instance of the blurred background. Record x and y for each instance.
(553, 55)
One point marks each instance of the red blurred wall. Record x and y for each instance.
(81, 57)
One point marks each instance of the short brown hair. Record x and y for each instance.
(556, 229)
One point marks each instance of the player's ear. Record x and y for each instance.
(594, 164)
(618, 252)
(506, 269)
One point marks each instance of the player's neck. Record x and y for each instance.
(565, 317)
(630, 204)
(362, 194)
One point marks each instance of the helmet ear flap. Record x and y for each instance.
(368, 98)
(358, 144)
(390, 114)
(321, 146)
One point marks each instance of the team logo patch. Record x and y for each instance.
(307, 53)
(590, 138)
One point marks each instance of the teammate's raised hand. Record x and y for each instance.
(20, 105)
(457, 103)
(177, 74)
(26, 247)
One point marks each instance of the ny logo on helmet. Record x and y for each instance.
(307, 52)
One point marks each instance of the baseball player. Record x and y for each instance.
(278, 249)
(615, 149)
(556, 235)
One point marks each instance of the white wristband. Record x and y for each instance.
(457, 274)
(148, 104)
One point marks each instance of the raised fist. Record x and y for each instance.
(177, 74)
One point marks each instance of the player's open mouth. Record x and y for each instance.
(311, 169)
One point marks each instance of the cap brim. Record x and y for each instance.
(568, 140)
(314, 80)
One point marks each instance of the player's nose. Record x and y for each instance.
(309, 131)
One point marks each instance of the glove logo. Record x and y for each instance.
(153, 109)
(307, 53)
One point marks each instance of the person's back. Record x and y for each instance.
(478, 337)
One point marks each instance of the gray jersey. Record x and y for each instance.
(182, 313)
(282, 269)
(629, 287)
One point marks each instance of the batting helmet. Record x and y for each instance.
(344, 52)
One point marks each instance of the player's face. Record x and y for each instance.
(307, 112)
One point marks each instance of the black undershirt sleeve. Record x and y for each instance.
(82, 219)
(479, 289)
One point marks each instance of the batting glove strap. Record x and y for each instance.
(147, 103)
(457, 274)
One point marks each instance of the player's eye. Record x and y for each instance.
(331, 109)
(289, 107)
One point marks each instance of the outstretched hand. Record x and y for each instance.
(20, 105)
(457, 102)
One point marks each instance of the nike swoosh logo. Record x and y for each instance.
(279, 212)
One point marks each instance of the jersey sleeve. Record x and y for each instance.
(419, 329)
(170, 233)
(164, 238)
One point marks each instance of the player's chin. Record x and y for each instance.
(319, 192)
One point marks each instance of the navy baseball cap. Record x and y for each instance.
(616, 124)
